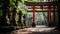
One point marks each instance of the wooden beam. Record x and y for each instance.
(28, 4)
(49, 13)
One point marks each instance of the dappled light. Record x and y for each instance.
(29, 16)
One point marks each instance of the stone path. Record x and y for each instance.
(40, 29)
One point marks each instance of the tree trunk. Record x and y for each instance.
(19, 21)
(5, 12)
(58, 9)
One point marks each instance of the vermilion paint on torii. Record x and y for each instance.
(42, 4)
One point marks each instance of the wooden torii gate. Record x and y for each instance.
(49, 4)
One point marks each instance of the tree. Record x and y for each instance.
(58, 9)
(9, 9)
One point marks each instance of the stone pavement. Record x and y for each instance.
(39, 29)
(35, 30)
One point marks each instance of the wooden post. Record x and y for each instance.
(49, 16)
(33, 13)
(33, 24)
(54, 16)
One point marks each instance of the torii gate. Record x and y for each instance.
(49, 4)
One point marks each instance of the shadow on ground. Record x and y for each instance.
(46, 32)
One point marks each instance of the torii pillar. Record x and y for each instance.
(33, 12)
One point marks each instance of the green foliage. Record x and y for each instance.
(1, 12)
(1, 1)
(1, 4)
(12, 4)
